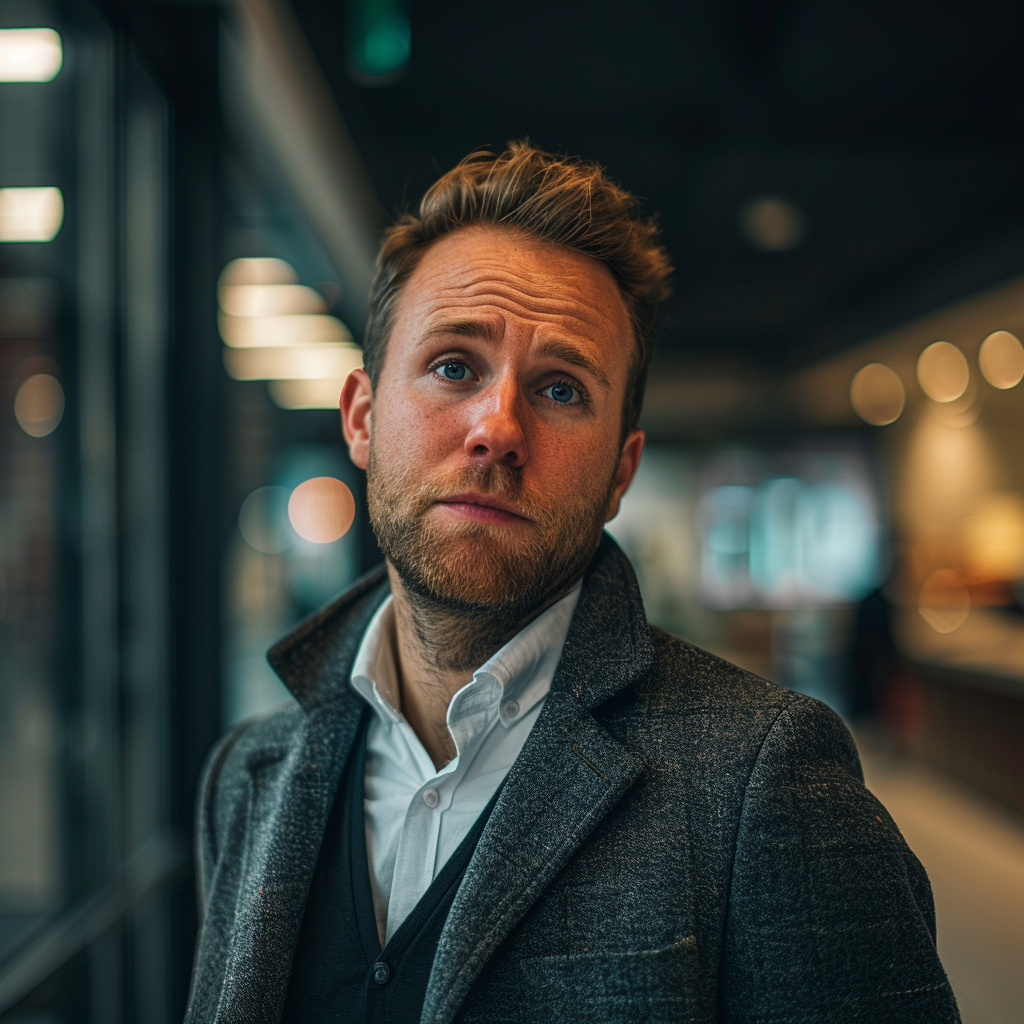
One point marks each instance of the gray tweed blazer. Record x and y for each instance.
(679, 840)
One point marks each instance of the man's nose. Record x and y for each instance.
(497, 433)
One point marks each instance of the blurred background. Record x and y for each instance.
(191, 196)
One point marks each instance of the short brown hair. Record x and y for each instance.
(557, 199)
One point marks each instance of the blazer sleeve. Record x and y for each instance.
(830, 915)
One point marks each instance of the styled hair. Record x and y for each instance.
(557, 199)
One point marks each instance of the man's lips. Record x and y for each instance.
(483, 507)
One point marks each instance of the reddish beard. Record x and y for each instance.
(482, 567)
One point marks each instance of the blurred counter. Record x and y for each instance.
(959, 702)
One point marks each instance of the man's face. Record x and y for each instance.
(494, 435)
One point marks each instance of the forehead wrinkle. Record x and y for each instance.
(544, 294)
(545, 309)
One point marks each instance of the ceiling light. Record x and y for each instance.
(1001, 358)
(942, 372)
(30, 214)
(318, 393)
(877, 395)
(270, 299)
(772, 224)
(30, 54)
(281, 331)
(258, 270)
(298, 363)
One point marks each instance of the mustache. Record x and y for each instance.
(493, 479)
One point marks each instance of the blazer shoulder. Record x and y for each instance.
(739, 709)
(699, 678)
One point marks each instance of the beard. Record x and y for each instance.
(489, 572)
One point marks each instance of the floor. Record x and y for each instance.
(973, 850)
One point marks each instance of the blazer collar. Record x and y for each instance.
(315, 659)
(607, 646)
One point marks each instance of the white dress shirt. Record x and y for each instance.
(416, 816)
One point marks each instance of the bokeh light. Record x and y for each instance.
(39, 405)
(258, 270)
(945, 601)
(877, 395)
(772, 224)
(30, 214)
(1001, 359)
(321, 510)
(263, 520)
(30, 54)
(993, 537)
(270, 299)
(942, 372)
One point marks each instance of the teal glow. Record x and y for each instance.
(379, 39)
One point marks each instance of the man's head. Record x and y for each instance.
(510, 329)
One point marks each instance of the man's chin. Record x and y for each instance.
(474, 569)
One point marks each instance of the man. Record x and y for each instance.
(500, 795)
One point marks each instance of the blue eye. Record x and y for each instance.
(562, 393)
(452, 371)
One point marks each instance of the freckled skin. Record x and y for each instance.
(519, 322)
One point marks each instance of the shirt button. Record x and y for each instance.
(381, 973)
(510, 708)
(431, 797)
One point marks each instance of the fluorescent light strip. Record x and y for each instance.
(30, 214)
(281, 331)
(30, 54)
(292, 363)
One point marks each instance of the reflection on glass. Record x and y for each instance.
(39, 405)
(945, 601)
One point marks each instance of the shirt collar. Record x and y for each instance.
(523, 668)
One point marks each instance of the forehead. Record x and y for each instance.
(509, 273)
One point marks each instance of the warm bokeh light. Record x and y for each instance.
(299, 363)
(877, 394)
(30, 214)
(321, 510)
(945, 601)
(993, 538)
(306, 394)
(1001, 359)
(276, 331)
(942, 372)
(262, 520)
(30, 54)
(270, 299)
(772, 224)
(258, 270)
(39, 405)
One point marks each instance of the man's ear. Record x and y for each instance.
(356, 404)
(629, 460)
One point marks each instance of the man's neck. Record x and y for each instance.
(439, 649)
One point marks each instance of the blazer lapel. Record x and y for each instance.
(291, 796)
(291, 801)
(570, 774)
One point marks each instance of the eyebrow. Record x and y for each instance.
(553, 348)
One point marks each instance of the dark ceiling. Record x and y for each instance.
(896, 130)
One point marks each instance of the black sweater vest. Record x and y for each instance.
(340, 973)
